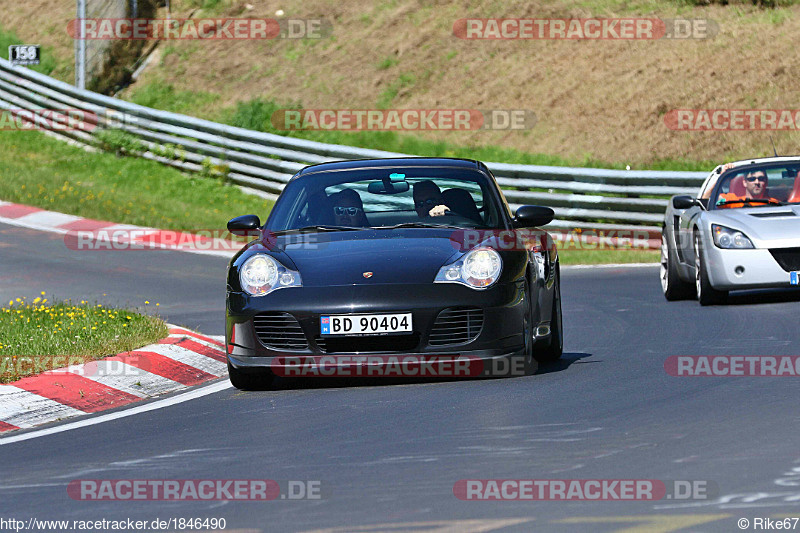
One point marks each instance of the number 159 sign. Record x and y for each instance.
(24, 54)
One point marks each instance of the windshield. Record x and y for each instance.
(387, 197)
(759, 186)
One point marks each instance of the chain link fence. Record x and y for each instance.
(106, 65)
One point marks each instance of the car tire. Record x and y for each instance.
(706, 294)
(529, 363)
(246, 380)
(673, 287)
(553, 350)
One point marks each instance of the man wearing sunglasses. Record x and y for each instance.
(755, 187)
(428, 200)
(348, 209)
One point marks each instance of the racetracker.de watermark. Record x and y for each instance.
(122, 29)
(14, 366)
(48, 119)
(138, 239)
(733, 365)
(395, 366)
(537, 240)
(194, 489)
(626, 29)
(733, 119)
(583, 489)
(403, 119)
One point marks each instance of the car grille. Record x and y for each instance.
(280, 330)
(370, 343)
(456, 325)
(787, 258)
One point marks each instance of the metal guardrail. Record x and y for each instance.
(580, 196)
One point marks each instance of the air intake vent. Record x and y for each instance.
(773, 214)
(787, 258)
(456, 325)
(368, 343)
(280, 331)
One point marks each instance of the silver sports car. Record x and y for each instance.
(742, 231)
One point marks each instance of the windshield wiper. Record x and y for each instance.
(762, 201)
(418, 225)
(320, 227)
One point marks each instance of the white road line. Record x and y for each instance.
(25, 409)
(126, 378)
(152, 406)
(188, 357)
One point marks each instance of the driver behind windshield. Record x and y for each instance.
(755, 188)
(348, 209)
(428, 200)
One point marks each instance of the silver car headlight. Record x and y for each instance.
(261, 274)
(730, 238)
(478, 269)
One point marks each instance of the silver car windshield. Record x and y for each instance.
(759, 186)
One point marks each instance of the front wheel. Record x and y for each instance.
(673, 287)
(555, 348)
(706, 294)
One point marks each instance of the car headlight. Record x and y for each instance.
(730, 238)
(261, 274)
(478, 269)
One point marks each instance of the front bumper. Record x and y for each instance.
(744, 269)
(500, 336)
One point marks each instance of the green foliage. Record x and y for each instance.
(390, 93)
(387, 63)
(120, 142)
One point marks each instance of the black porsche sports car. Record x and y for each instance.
(407, 257)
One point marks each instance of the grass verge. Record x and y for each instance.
(600, 257)
(38, 336)
(47, 173)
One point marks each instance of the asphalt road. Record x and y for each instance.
(387, 456)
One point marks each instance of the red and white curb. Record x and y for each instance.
(118, 236)
(183, 359)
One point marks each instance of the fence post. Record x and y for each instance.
(80, 47)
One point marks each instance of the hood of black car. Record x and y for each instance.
(365, 257)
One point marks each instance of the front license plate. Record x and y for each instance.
(365, 324)
(793, 278)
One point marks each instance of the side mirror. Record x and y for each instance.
(528, 216)
(245, 225)
(683, 202)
